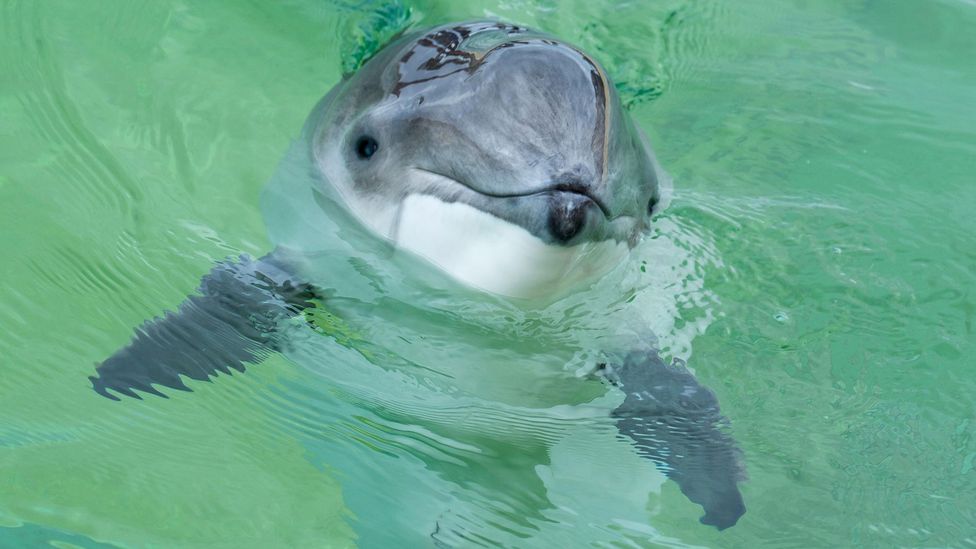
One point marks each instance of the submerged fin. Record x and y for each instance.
(230, 322)
(675, 421)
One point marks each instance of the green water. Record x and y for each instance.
(817, 268)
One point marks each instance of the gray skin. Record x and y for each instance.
(514, 123)
(533, 129)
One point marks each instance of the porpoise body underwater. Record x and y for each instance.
(471, 183)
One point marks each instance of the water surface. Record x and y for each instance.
(816, 267)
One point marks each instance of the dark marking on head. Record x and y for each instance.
(443, 56)
(601, 135)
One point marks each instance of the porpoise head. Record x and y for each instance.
(500, 154)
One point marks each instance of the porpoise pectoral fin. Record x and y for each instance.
(675, 421)
(231, 321)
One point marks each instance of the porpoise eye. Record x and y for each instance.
(366, 147)
(651, 204)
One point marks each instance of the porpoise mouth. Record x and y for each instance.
(569, 188)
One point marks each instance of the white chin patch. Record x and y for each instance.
(488, 253)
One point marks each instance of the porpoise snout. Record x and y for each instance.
(569, 214)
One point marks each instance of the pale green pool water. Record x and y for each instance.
(818, 270)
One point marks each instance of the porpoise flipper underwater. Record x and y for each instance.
(230, 322)
(675, 422)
